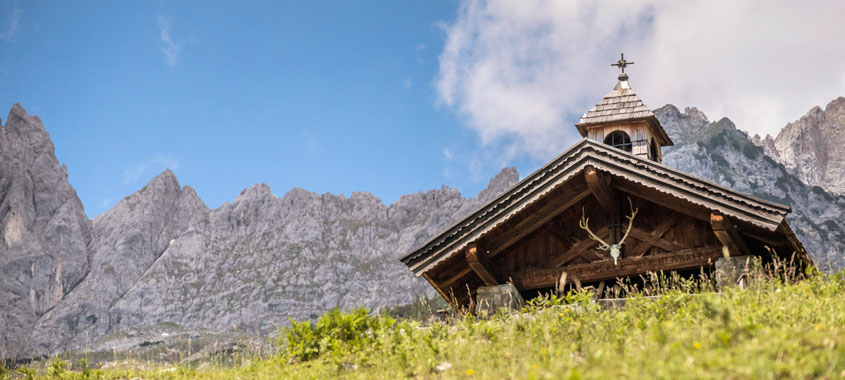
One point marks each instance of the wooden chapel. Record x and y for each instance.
(604, 209)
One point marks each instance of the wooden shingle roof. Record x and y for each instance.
(671, 182)
(619, 106)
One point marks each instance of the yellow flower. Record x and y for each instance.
(554, 329)
(470, 372)
(697, 345)
(819, 327)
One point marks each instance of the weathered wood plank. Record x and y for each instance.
(599, 185)
(664, 200)
(529, 225)
(641, 248)
(456, 277)
(727, 235)
(440, 291)
(664, 244)
(580, 248)
(605, 270)
(482, 266)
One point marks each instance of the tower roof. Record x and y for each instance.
(619, 106)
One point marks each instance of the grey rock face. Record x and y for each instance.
(160, 255)
(720, 153)
(128, 239)
(44, 232)
(811, 148)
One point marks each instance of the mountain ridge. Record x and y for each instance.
(161, 255)
(809, 146)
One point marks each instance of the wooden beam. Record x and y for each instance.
(599, 185)
(663, 244)
(540, 217)
(664, 200)
(580, 248)
(727, 235)
(456, 277)
(605, 270)
(480, 263)
(765, 240)
(561, 235)
(440, 291)
(641, 248)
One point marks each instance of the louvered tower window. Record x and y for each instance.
(619, 140)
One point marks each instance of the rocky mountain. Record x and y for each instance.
(162, 256)
(811, 147)
(45, 233)
(718, 152)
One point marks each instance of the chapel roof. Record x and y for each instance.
(621, 105)
(673, 183)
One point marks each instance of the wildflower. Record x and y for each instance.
(697, 345)
(819, 327)
(470, 372)
(554, 329)
(443, 367)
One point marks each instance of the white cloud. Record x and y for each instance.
(407, 83)
(447, 154)
(155, 164)
(171, 48)
(14, 25)
(523, 72)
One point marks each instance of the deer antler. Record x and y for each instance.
(614, 248)
(630, 222)
(584, 223)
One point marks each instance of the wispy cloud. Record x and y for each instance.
(155, 163)
(522, 72)
(13, 27)
(170, 47)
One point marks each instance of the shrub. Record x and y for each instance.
(335, 332)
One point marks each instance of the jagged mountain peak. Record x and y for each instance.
(682, 127)
(44, 232)
(502, 181)
(811, 147)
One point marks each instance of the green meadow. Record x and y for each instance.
(779, 326)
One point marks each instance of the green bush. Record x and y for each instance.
(335, 332)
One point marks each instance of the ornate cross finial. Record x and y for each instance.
(622, 63)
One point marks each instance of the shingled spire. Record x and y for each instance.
(622, 120)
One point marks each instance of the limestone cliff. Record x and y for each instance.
(160, 255)
(812, 147)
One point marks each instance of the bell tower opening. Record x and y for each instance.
(619, 139)
(622, 120)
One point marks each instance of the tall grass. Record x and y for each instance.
(783, 322)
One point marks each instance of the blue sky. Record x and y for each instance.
(328, 96)
(386, 97)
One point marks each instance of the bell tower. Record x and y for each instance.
(622, 120)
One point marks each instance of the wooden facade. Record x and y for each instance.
(532, 234)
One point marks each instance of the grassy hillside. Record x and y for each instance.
(775, 328)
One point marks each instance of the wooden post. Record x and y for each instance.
(439, 290)
(482, 266)
(727, 235)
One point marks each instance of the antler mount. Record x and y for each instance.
(615, 249)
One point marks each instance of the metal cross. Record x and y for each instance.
(622, 63)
